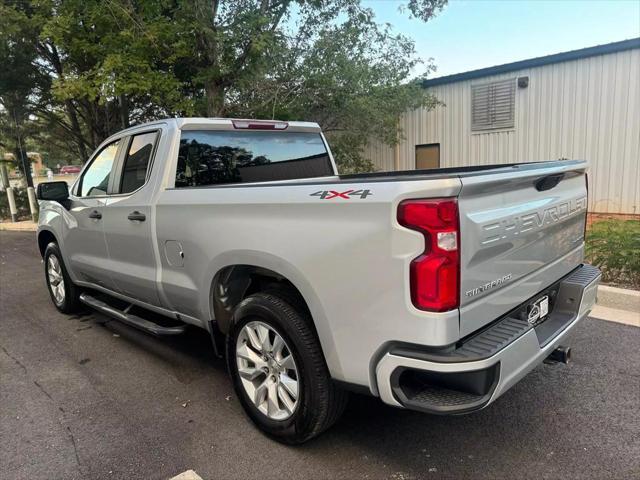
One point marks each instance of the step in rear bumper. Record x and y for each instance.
(489, 363)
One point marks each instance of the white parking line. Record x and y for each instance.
(188, 475)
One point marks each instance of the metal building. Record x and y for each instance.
(582, 104)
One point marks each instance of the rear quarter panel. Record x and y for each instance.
(348, 257)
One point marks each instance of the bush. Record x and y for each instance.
(614, 247)
(22, 204)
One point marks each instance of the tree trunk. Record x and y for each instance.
(18, 115)
(124, 111)
(92, 122)
(23, 160)
(75, 124)
(215, 99)
(50, 51)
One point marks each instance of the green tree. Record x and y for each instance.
(97, 66)
(112, 63)
(320, 60)
(90, 68)
(19, 84)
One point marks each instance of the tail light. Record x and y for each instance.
(435, 274)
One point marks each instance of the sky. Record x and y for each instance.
(472, 34)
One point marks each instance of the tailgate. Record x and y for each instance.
(521, 230)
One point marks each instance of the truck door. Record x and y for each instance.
(84, 241)
(128, 223)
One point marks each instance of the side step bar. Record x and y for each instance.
(129, 319)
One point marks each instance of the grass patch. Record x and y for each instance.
(614, 247)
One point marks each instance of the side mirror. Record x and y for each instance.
(55, 191)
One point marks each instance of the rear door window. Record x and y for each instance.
(95, 180)
(208, 157)
(137, 161)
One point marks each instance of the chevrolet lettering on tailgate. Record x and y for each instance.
(519, 224)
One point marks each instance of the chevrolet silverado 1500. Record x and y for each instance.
(432, 290)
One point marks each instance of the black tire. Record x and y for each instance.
(320, 401)
(71, 302)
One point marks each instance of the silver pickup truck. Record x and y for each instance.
(432, 290)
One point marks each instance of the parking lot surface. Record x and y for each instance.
(87, 397)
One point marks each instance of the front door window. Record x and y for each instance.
(95, 180)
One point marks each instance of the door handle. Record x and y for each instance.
(95, 214)
(141, 217)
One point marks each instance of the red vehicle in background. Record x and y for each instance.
(69, 169)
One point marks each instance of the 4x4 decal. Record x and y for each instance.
(347, 194)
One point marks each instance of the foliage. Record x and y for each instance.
(614, 247)
(19, 81)
(95, 67)
(308, 60)
(426, 9)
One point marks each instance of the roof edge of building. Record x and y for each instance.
(536, 62)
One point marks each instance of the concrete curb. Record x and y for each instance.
(615, 315)
(18, 226)
(619, 298)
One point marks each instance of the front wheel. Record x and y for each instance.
(64, 294)
(278, 369)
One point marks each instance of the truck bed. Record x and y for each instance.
(451, 172)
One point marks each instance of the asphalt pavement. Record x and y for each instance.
(87, 397)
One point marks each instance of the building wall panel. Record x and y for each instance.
(586, 109)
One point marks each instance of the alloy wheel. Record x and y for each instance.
(267, 370)
(56, 280)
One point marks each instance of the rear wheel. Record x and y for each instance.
(278, 370)
(64, 294)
